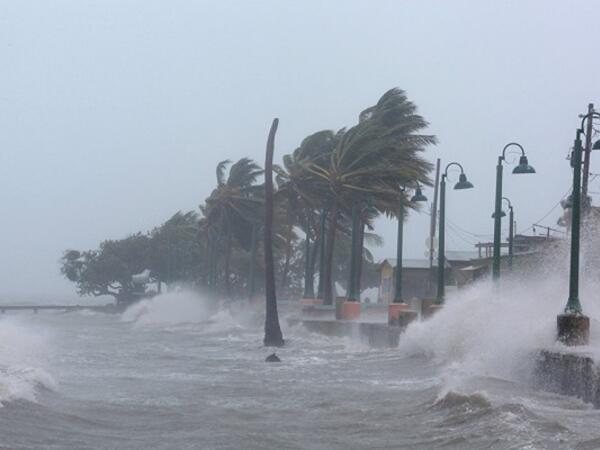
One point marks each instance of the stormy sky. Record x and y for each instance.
(113, 114)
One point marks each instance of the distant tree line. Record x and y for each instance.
(219, 247)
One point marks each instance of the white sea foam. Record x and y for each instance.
(168, 309)
(485, 331)
(481, 332)
(23, 350)
(178, 309)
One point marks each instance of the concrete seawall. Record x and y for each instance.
(570, 373)
(374, 334)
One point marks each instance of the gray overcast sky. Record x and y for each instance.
(113, 114)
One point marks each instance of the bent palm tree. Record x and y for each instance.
(372, 160)
(273, 335)
(298, 193)
(231, 209)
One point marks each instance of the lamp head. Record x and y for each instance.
(418, 197)
(596, 145)
(502, 214)
(523, 166)
(463, 183)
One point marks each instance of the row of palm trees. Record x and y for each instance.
(366, 167)
(335, 182)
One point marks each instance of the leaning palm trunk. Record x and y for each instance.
(315, 252)
(252, 271)
(227, 267)
(215, 264)
(328, 269)
(288, 254)
(273, 336)
(210, 281)
(361, 257)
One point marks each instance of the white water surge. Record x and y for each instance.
(22, 358)
(169, 308)
(177, 372)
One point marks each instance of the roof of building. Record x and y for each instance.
(456, 255)
(409, 263)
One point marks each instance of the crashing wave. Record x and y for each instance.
(22, 353)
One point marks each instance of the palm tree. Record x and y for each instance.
(273, 335)
(299, 196)
(230, 210)
(372, 160)
(175, 248)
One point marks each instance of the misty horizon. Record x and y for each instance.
(116, 114)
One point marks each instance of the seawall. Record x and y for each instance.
(374, 334)
(569, 372)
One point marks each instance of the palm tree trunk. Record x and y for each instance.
(215, 264)
(309, 289)
(322, 227)
(328, 269)
(288, 255)
(273, 335)
(209, 264)
(252, 271)
(315, 252)
(227, 267)
(361, 257)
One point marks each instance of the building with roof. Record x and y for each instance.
(419, 280)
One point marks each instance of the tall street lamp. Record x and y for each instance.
(463, 183)
(511, 230)
(573, 326)
(522, 168)
(397, 306)
(416, 198)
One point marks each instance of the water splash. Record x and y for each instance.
(22, 354)
(494, 332)
(169, 309)
(482, 331)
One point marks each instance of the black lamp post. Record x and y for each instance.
(417, 197)
(522, 168)
(463, 183)
(511, 232)
(573, 326)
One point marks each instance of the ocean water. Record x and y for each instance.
(173, 373)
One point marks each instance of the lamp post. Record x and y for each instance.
(463, 183)
(511, 232)
(417, 197)
(511, 236)
(522, 168)
(573, 326)
(397, 307)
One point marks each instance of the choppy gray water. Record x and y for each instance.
(158, 379)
